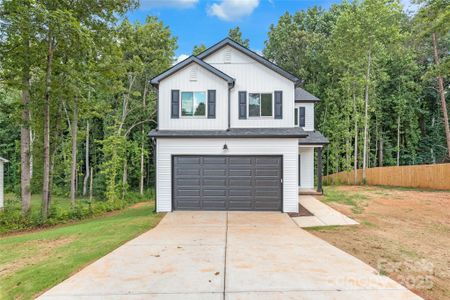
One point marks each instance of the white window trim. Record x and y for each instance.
(193, 117)
(260, 98)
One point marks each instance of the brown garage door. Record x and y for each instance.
(227, 182)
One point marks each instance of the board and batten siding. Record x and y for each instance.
(306, 167)
(309, 115)
(1, 184)
(253, 77)
(193, 78)
(166, 148)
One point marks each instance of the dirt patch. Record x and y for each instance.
(405, 234)
(33, 252)
(302, 212)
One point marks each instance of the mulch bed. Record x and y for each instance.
(302, 212)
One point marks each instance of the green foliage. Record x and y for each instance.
(11, 218)
(328, 50)
(198, 49)
(236, 35)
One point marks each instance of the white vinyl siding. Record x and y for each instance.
(253, 77)
(306, 167)
(166, 148)
(1, 184)
(181, 81)
(309, 115)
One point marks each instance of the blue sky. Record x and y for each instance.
(208, 21)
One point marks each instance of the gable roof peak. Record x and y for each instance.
(232, 43)
(186, 62)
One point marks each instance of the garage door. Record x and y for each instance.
(227, 182)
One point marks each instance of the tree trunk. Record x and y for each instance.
(141, 181)
(25, 146)
(355, 158)
(380, 153)
(440, 81)
(46, 166)
(124, 177)
(91, 184)
(398, 141)
(86, 161)
(73, 173)
(366, 116)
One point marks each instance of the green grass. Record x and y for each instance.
(31, 263)
(355, 200)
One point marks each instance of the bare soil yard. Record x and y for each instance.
(404, 233)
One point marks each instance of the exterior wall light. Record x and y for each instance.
(225, 147)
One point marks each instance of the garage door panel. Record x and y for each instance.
(240, 160)
(215, 182)
(214, 172)
(243, 172)
(188, 160)
(188, 172)
(227, 182)
(214, 160)
(210, 192)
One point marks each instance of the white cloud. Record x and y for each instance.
(146, 4)
(232, 10)
(180, 58)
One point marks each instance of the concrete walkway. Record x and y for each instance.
(323, 214)
(234, 255)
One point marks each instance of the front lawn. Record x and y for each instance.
(403, 233)
(61, 210)
(33, 262)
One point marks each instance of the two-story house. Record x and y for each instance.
(234, 133)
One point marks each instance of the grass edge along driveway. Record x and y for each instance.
(31, 263)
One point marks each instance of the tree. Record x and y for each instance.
(19, 55)
(236, 35)
(433, 21)
(198, 49)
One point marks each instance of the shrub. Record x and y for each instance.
(12, 219)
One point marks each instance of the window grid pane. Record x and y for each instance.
(266, 105)
(254, 105)
(187, 103)
(199, 104)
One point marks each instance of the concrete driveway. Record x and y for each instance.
(234, 255)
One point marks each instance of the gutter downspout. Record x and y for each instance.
(154, 148)
(155, 165)
(230, 86)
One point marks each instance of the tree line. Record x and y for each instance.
(381, 75)
(76, 104)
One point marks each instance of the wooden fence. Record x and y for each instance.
(421, 176)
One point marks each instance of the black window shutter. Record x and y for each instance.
(296, 116)
(211, 104)
(302, 117)
(175, 114)
(242, 105)
(278, 104)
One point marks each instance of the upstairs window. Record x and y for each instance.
(296, 117)
(302, 116)
(193, 104)
(260, 105)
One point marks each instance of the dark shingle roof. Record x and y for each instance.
(303, 96)
(293, 132)
(255, 56)
(188, 61)
(313, 138)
